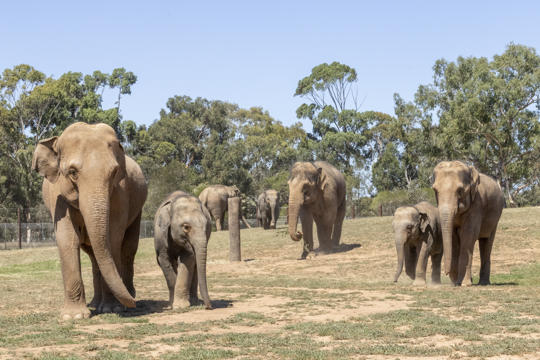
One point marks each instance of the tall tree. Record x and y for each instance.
(488, 113)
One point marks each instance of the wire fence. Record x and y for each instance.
(42, 234)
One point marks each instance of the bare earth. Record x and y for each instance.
(271, 305)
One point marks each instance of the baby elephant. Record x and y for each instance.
(182, 227)
(417, 233)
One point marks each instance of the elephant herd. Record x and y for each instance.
(95, 194)
(469, 206)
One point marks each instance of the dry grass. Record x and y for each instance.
(270, 305)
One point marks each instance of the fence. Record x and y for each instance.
(42, 234)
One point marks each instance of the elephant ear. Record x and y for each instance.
(162, 220)
(475, 181)
(321, 179)
(45, 159)
(423, 221)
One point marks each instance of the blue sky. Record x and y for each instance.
(253, 53)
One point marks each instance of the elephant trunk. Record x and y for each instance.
(294, 209)
(200, 247)
(399, 248)
(95, 208)
(447, 225)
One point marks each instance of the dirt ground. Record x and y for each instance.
(271, 305)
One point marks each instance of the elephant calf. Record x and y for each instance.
(418, 235)
(182, 227)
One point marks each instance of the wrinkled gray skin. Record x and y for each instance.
(95, 194)
(316, 193)
(417, 233)
(215, 199)
(182, 227)
(470, 205)
(268, 209)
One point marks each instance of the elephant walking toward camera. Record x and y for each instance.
(95, 194)
(316, 193)
(268, 209)
(215, 199)
(182, 227)
(470, 206)
(417, 232)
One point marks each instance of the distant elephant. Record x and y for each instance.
(95, 194)
(182, 227)
(215, 198)
(417, 232)
(316, 192)
(268, 209)
(470, 205)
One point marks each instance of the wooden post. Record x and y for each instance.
(380, 210)
(234, 229)
(287, 217)
(353, 211)
(19, 228)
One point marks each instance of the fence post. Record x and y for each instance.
(5, 236)
(234, 229)
(353, 211)
(19, 227)
(380, 210)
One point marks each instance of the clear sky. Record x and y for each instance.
(253, 53)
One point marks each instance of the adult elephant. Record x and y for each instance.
(268, 209)
(417, 232)
(95, 194)
(182, 227)
(215, 199)
(470, 205)
(316, 193)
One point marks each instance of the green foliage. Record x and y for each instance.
(488, 114)
(389, 201)
(34, 106)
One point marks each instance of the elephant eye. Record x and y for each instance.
(186, 228)
(409, 227)
(460, 191)
(73, 174)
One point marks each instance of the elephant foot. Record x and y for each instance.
(307, 255)
(94, 303)
(75, 312)
(110, 307)
(181, 304)
(484, 282)
(419, 282)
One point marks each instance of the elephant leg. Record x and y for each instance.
(96, 275)
(219, 223)
(194, 291)
(129, 249)
(336, 232)
(455, 257)
(485, 245)
(67, 241)
(421, 265)
(324, 236)
(186, 268)
(411, 259)
(307, 229)
(436, 268)
(169, 267)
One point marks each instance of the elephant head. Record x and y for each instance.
(306, 185)
(233, 191)
(409, 225)
(271, 198)
(86, 163)
(188, 224)
(455, 185)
